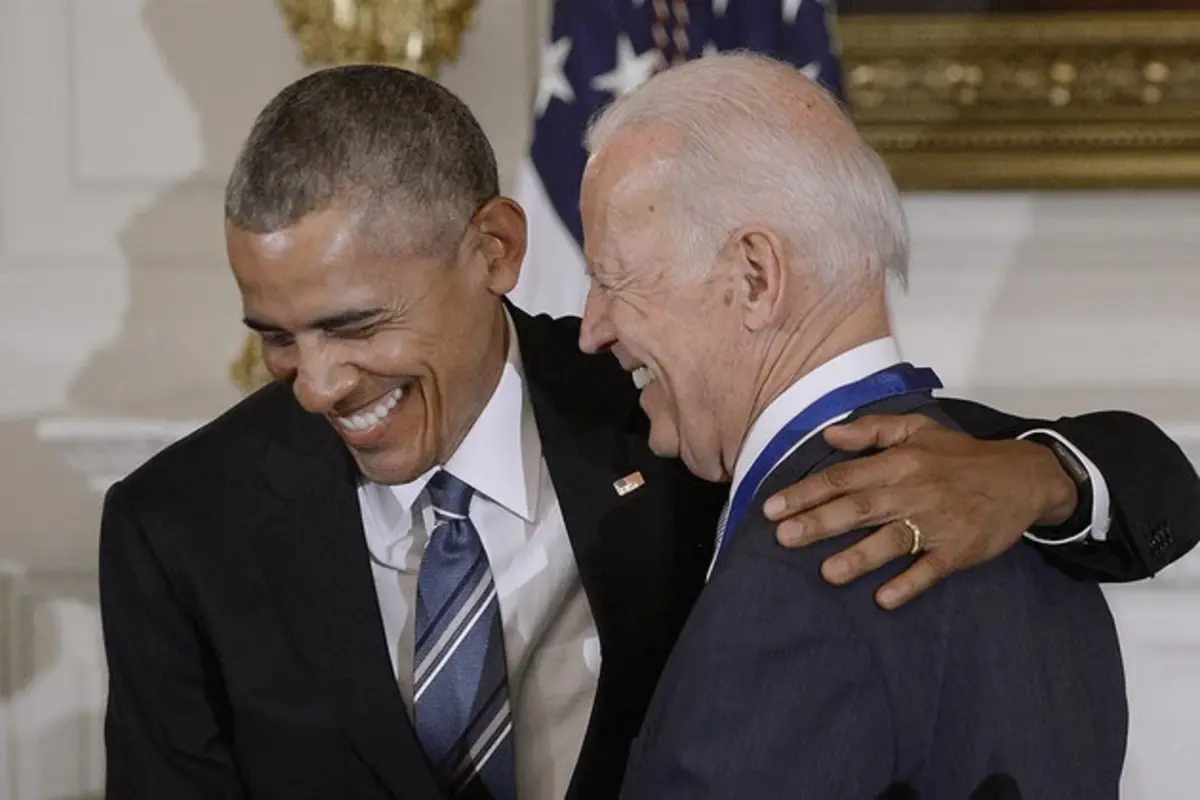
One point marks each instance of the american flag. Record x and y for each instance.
(599, 49)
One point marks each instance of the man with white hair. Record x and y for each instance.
(739, 234)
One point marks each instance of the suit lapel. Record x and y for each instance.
(314, 554)
(585, 409)
(585, 454)
(601, 524)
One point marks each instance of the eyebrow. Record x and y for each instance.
(332, 322)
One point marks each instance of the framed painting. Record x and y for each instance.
(1027, 94)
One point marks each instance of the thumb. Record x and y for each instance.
(876, 431)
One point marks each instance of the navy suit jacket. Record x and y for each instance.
(1001, 682)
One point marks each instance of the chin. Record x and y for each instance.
(706, 469)
(694, 467)
(663, 452)
(392, 468)
(663, 446)
(384, 474)
(399, 450)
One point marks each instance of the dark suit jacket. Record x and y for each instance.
(244, 640)
(1005, 682)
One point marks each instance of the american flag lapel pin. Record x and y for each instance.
(628, 484)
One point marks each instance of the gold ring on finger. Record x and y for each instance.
(916, 535)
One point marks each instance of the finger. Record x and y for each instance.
(918, 578)
(888, 543)
(876, 431)
(840, 515)
(847, 477)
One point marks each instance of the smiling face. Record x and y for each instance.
(672, 325)
(399, 353)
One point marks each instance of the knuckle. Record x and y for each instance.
(863, 506)
(788, 497)
(856, 559)
(917, 422)
(837, 477)
(860, 425)
(911, 461)
(907, 586)
(939, 565)
(801, 497)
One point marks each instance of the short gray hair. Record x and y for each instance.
(372, 137)
(743, 159)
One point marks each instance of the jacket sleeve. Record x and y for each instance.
(1153, 489)
(164, 731)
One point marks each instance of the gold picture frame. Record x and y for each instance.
(1029, 101)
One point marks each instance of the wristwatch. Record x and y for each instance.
(1081, 517)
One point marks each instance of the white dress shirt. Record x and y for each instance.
(550, 638)
(854, 365)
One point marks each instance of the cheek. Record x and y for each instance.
(391, 354)
(691, 389)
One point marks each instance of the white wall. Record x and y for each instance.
(118, 122)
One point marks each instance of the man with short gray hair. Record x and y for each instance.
(739, 233)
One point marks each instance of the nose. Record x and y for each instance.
(596, 331)
(322, 380)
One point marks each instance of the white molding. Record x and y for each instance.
(1088, 221)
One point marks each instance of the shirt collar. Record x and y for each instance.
(501, 454)
(846, 368)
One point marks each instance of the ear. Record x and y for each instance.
(760, 267)
(501, 224)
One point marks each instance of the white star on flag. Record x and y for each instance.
(790, 9)
(553, 82)
(835, 44)
(812, 70)
(710, 49)
(631, 70)
(719, 7)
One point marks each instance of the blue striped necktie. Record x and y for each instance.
(460, 681)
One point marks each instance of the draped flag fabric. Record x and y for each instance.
(600, 49)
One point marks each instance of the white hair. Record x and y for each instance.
(744, 157)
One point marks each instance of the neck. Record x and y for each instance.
(489, 373)
(821, 335)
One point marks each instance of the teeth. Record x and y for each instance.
(372, 416)
(642, 376)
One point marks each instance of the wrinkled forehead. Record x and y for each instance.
(625, 205)
(320, 266)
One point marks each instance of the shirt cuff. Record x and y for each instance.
(1098, 527)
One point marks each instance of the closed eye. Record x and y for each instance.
(277, 339)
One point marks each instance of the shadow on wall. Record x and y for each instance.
(45, 501)
(182, 325)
